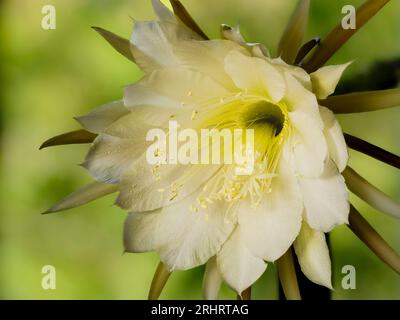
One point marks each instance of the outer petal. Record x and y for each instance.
(208, 58)
(270, 229)
(325, 199)
(184, 239)
(176, 88)
(239, 267)
(100, 118)
(113, 152)
(173, 94)
(313, 254)
(255, 75)
(139, 231)
(298, 98)
(297, 72)
(143, 190)
(334, 137)
(308, 144)
(325, 79)
(153, 42)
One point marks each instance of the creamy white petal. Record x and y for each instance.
(255, 75)
(153, 42)
(208, 57)
(313, 255)
(309, 146)
(183, 238)
(139, 231)
(212, 280)
(298, 98)
(337, 147)
(177, 88)
(100, 118)
(238, 266)
(325, 79)
(143, 189)
(270, 229)
(325, 199)
(297, 72)
(113, 152)
(109, 157)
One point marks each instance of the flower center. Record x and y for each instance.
(270, 125)
(264, 116)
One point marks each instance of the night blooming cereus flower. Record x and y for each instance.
(194, 214)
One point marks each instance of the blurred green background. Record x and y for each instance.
(50, 76)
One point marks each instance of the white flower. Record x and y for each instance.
(190, 214)
(234, 216)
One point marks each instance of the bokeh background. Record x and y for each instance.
(47, 77)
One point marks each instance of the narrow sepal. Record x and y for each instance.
(181, 12)
(363, 101)
(305, 50)
(122, 45)
(287, 276)
(367, 234)
(73, 137)
(372, 150)
(339, 36)
(370, 194)
(293, 35)
(160, 278)
(246, 295)
(212, 280)
(82, 196)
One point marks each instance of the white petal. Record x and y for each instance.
(325, 79)
(153, 42)
(313, 255)
(208, 58)
(298, 98)
(270, 229)
(334, 137)
(100, 118)
(143, 190)
(239, 267)
(113, 152)
(173, 91)
(212, 280)
(183, 238)
(325, 199)
(308, 144)
(139, 231)
(297, 72)
(255, 75)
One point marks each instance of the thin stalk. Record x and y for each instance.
(287, 276)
